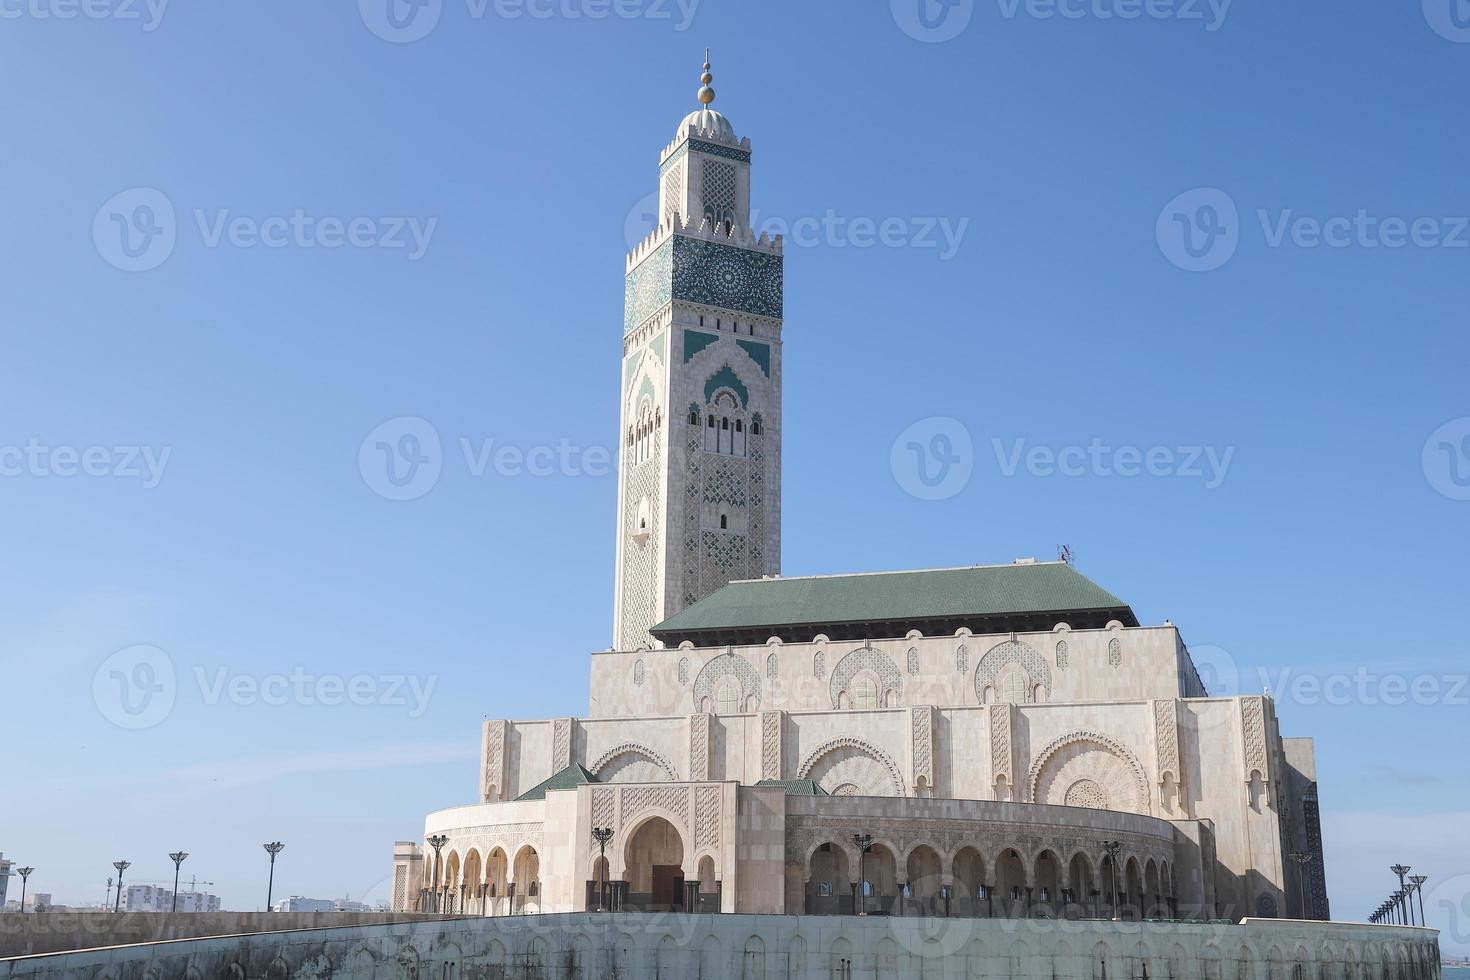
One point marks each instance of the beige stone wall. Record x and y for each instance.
(1151, 662)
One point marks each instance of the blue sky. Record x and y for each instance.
(224, 394)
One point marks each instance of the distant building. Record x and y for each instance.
(151, 898)
(145, 898)
(297, 903)
(5, 874)
(198, 902)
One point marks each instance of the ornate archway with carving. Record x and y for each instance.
(871, 659)
(1089, 770)
(1001, 656)
(638, 752)
(727, 665)
(845, 775)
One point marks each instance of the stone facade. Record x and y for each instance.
(1071, 771)
(700, 467)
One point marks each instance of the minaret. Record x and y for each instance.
(699, 479)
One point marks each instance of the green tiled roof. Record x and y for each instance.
(939, 594)
(796, 787)
(572, 776)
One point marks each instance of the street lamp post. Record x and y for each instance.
(864, 842)
(602, 835)
(1113, 847)
(1401, 870)
(1301, 858)
(273, 848)
(121, 866)
(24, 874)
(437, 842)
(178, 858)
(1419, 881)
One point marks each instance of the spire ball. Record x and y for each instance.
(706, 94)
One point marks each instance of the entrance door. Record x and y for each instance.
(668, 886)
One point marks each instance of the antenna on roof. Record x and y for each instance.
(1065, 556)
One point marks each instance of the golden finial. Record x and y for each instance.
(706, 94)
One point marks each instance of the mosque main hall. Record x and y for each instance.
(998, 741)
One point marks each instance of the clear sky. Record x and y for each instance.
(1233, 235)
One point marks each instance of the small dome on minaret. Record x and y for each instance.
(706, 118)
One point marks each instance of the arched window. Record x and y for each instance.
(864, 693)
(755, 427)
(724, 523)
(694, 418)
(727, 700)
(1013, 687)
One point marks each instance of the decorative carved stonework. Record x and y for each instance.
(895, 778)
(492, 780)
(1002, 655)
(1000, 746)
(706, 817)
(602, 808)
(921, 719)
(1166, 738)
(632, 748)
(871, 660)
(1101, 759)
(561, 744)
(674, 800)
(771, 744)
(699, 726)
(1253, 730)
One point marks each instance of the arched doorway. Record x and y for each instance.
(497, 878)
(654, 863)
(472, 890)
(969, 878)
(1012, 888)
(1081, 893)
(527, 892)
(449, 885)
(877, 881)
(828, 882)
(923, 877)
(709, 887)
(1048, 884)
(1133, 891)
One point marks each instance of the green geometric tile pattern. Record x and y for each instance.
(727, 276)
(647, 288)
(726, 377)
(713, 149)
(694, 342)
(760, 353)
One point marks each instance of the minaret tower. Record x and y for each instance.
(699, 478)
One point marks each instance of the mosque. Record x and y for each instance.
(997, 741)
